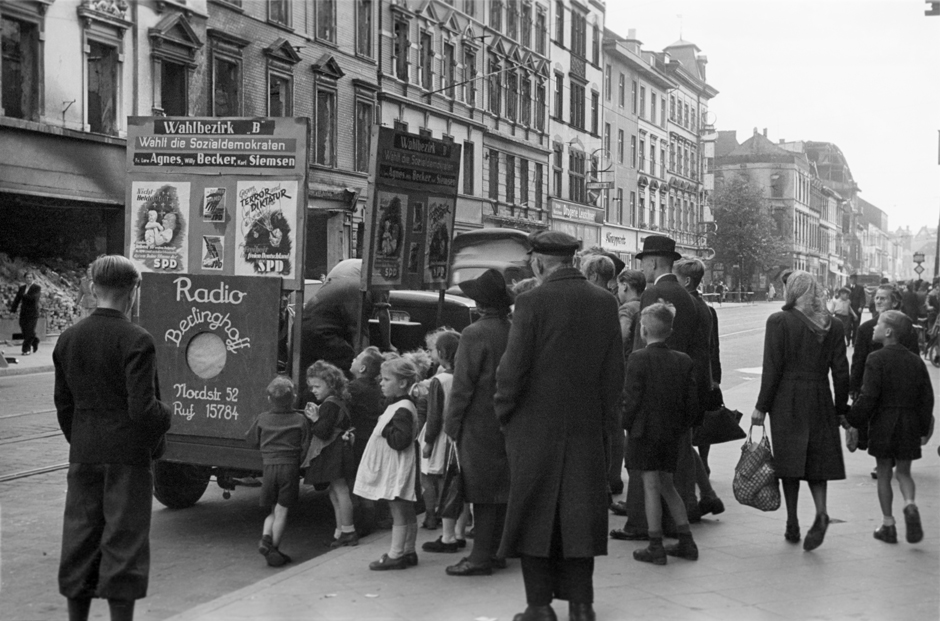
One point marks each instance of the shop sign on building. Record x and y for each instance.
(618, 240)
(572, 211)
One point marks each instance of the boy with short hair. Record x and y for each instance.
(660, 400)
(896, 405)
(282, 434)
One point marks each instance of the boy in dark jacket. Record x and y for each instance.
(282, 435)
(660, 400)
(896, 406)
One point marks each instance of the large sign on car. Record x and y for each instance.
(410, 213)
(217, 196)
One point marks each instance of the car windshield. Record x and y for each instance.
(467, 273)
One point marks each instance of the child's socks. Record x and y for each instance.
(411, 536)
(399, 536)
(888, 520)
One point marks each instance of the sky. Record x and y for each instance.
(862, 74)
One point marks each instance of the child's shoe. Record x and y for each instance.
(430, 523)
(346, 539)
(438, 545)
(686, 548)
(411, 559)
(654, 554)
(276, 558)
(915, 532)
(387, 562)
(265, 545)
(888, 534)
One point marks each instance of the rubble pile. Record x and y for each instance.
(59, 279)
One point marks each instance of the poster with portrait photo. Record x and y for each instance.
(440, 232)
(414, 258)
(213, 252)
(158, 227)
(264, 213)
(213, 204)
(389, 238)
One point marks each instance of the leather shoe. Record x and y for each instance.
(386, 562)
(711, 505)
(915, 532)
(816, 533)
(792, 534)
(499, 562)
(438, 545)
(619, 508)
(888, 534)
(536, 613)
(466, 568)
(581, 612)
(629, 534)
(411, 559)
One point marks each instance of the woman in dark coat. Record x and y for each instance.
(470, 419)
(802, 345)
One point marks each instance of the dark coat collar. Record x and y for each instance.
(110, 312)
(659, 344)
(565, 273)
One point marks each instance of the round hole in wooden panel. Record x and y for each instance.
(206, 355)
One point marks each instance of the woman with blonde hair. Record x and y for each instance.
(802, 346)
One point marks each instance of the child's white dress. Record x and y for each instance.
(437, 462)
(385, 473)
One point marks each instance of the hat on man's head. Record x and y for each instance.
(659, 245)
(488, 289)
(553, 243)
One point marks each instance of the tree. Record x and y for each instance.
(747, 235)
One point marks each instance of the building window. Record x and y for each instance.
(174, 89)
(620, 146)
(694, 127)
(576, 176)
(468, 168)
(526, 34)
(540, 105)
(496, 86)
(595, 111)
(642, 155)
(226, 87)
(633, 151)
(326, 20)
(539, 181)
(400, 50)
(494, 174)
(633, 95)
(279, 12)
(607, 137)
(662, 111)
(672, 212)
(686, 123)
(652, 157)
(448, 70)
(632, 208)
(511, 179)
(642, 103)
(20, 71)
(325, 139)
(470, 7)
(525, 101)
(102, 88)
(512, 21)
(557, 156)
(280, 95)
(496, 15)
(577, 105)
(662, 160)
(641, 210)
(596, 45)
(620, 90)
(364, 28)
(523, 181)
(560, 23)
(579, 34)
(541, 30)
(424, 62)
(672, 155)
(607, 85)
(672, 108)
(619, 205)
(653, 108)
(364, 120)
(512, 95)
(559, 94)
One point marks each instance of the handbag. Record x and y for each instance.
(851, 439)
(721, 425)
(755, 482)
(451, 501)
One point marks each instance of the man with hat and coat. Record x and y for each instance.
(689, 336)
(557, 392)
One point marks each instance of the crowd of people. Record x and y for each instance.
(522, 424)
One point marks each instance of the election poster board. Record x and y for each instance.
(411, 211)
(222, 196)
(210, 332)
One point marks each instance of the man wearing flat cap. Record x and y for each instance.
(690, 336)
(557, 393)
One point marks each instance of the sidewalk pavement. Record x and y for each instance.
(746, 571)
(39, 362)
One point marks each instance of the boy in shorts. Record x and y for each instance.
(896, 407)
(281, 433)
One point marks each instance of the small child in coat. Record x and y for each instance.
(388, 468)
(660, 400)
(282, 435)
(896, 406)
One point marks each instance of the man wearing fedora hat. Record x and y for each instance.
(557, 397)
(689, 336)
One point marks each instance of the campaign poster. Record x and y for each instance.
(158, 231)
(265, 211)
(389, 238)
(213, 204)
(213, 252)
(441, 213)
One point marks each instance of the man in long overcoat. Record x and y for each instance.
(108, 406)
(557, 393)
(27, 301)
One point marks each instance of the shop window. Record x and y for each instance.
(102, 91)
(364, 121)
(280, 95)
(364, 28)
(325, 139)
(326, 20)
(226, 87)
(20, 72)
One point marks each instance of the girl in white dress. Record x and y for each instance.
(387, 469)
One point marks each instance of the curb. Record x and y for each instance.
(13, 370)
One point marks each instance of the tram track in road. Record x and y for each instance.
(31, 442)
(29, 473)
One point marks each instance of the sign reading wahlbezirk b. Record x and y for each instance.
(219, 196)
(410, 213)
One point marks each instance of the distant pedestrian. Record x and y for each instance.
(771, 292)
(108, 405)
(857, 297)
(557, 392)
(841, 307)
(87, 301)
(388, 467)
(720, 292)
(282, 435)
(660, 399)
(896, 406)
(27, 301)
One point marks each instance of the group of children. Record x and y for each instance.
(378, 430)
